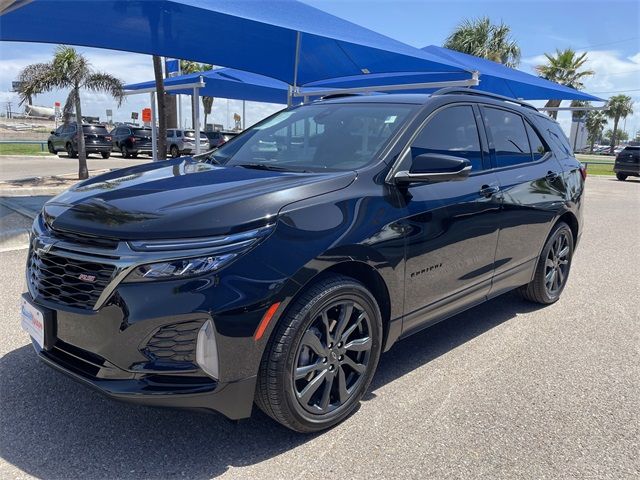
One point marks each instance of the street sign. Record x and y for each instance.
(134, 115)
(109, 112)
(146, 115)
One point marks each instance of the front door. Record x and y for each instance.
(452, 227)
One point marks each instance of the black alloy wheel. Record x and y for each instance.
(333, 357)
(621, 176)
(125, 151)
(552, 269)
(557, 264)
(50, 147)
(321, 356)
(175, 153)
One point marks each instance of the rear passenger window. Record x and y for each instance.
(509, 136)
(537, 146)
(452, 131)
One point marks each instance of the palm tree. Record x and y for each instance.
(595, 123)
(483, 39)
(618, 106)
(70, 70)
(187, 67)
(162, 109)
(564, 68)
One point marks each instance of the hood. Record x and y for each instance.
(182, 198)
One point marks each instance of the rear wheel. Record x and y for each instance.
(50, 147)
(70, 150)
(621, 176)
(106, 155)
(125, 151)
(322, 357)
(552, 270)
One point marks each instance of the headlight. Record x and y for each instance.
(187, 267)
(170, 259)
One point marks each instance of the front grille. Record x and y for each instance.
(67, 281)
(81, 239)
(175, 342)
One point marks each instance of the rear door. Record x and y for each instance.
(532, 191)
(452, 227)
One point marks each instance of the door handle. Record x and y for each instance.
(489, 190)
(551, 176)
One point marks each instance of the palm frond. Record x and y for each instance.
(104, 82)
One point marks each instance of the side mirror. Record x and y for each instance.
(433, 167)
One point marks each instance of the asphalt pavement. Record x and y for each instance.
(505, 390)
(14, 167)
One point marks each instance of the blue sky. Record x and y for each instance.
(608, 30)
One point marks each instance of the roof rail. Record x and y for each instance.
(337, 95)
(481, 93)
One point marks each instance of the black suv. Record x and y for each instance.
(131, 141)
(217, 139)
(627, 163)
(280, 267)
(65, 139)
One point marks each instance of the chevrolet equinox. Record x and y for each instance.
(277, 268)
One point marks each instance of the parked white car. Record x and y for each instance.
(183, 142)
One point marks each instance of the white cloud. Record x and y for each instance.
(130, 68)
(614, 73)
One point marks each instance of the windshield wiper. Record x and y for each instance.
(265, 166)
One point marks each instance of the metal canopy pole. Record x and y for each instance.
(196, 115)
(291, 89)
(244, 111)
(154, 132)
(471, 82)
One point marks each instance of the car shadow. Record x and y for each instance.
(53, 427)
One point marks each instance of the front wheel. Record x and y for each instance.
(106, 155)
(50, 147)
(322, 357)
(621, 176)
(552, 270)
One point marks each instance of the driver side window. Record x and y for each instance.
(451, 131)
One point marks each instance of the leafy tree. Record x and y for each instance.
(565, 68)
(595, 123)
(483, 39)
(621, 136)
(69, 70)
(187, 66)
(618, 106)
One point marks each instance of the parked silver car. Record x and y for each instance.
(181, 142)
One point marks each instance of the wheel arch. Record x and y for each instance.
(570, 219)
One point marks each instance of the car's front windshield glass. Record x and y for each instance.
(339, 136)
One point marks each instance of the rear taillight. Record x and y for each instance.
(108, 138)
(583, 171)
(133, 139)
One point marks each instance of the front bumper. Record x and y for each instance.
(153, 389)
(138, 341)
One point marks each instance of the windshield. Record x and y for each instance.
(338, 136)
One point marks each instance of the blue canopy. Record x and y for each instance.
(263, 37)
(225, 83)
(500, 79)
(494, 78)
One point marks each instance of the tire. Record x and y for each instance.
(621, 176)
(303, 344)
(134, 155)
(105, 155)
(175, 153)
(546, 287)
(50, 147)
(70, 150)
(125, 151)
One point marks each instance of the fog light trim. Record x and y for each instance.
(207, 350)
